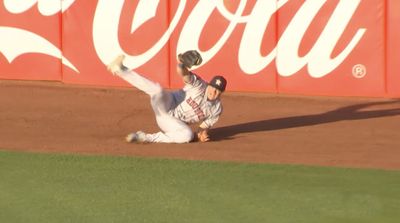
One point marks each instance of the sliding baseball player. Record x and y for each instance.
(197, 102)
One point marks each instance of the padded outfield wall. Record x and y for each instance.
(321, 47)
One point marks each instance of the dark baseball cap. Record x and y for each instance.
(219, 82)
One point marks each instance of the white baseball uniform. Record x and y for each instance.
(175, 110)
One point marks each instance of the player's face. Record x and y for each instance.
(212, 93)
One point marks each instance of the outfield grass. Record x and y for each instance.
(73, 188)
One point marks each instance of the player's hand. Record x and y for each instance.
(190, 58)
(203, 136)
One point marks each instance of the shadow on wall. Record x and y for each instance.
(351, 112)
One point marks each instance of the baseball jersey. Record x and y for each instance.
(192, 105)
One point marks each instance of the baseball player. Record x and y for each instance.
(197, 102)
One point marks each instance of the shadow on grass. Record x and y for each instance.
(351, 112)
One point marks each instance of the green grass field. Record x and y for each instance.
(75, 188)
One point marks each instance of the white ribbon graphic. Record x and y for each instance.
(15, 42)
(46, 7)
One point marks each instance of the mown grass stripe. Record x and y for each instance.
(75, 188)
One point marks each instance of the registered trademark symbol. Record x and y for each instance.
(359, 71)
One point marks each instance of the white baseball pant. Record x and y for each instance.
(173, 130)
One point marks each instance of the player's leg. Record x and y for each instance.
(173, 131)
(117, 68)
(147, 86)
(170, 137)
(161, 100)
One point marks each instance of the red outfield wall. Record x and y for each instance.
(321, 47)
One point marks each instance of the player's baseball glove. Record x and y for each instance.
(190, 58)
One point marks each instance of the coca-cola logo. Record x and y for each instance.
(46, 7)
(16, 41)
(107, 16)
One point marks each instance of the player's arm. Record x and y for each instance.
(205, 126)
(184, 72)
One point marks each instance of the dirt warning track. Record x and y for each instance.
(346, 132)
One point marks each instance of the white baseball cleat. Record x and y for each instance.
(116, 65)
(138, 137)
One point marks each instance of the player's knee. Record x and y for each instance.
(185, 136)
(157, 89)
(157, 94)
